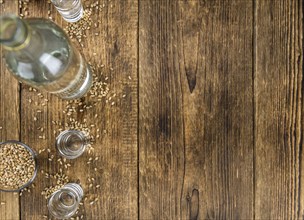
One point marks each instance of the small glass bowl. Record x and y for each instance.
(34, 155)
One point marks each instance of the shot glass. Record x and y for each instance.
(70, 10)
(63, 203)
(71, 143)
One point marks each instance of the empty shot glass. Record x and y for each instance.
(70, 10)
(71, 143)
(64, 203)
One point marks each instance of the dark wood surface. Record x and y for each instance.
(279, 110)
(207, 117)
(196, 144)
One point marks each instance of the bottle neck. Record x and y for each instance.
(14, 32)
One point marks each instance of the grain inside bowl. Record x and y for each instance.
(17, 166)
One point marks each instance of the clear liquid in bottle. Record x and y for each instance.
(45, 58)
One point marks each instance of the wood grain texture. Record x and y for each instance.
(195, 99)
(9, 119)
(115, 48)
(161, 147)
(279, 109)
(218, 114)
(204, 117)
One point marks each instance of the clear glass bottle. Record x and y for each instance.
(70, 10)
(71, 143)
(64, 202)
(39, 53)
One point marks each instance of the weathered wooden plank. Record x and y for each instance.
(279, 109)
(161, 147)
(218, 115)
(116, 47)
(196, 110)
(9, 118)
(111, 44)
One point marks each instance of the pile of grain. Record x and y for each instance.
(17, 166)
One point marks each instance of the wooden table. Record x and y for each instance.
(207, 121)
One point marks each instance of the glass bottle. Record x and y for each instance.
(64, 202)
(39, 53)
(70, 10)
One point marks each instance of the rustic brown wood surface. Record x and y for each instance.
(279, 110)
(203, 119)
(196, 136)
